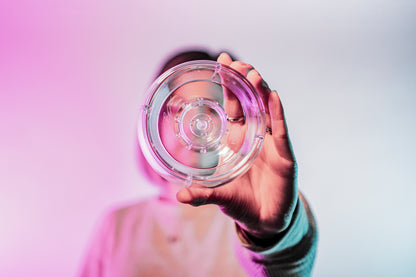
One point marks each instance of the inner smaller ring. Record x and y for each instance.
(201, 125)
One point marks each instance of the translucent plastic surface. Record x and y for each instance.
(202, 122)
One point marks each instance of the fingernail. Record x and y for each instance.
(249, 69)
(199, 202)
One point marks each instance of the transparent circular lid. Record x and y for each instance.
(202, 122)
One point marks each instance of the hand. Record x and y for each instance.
(261, 201)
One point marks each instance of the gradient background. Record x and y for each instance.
(73, 74)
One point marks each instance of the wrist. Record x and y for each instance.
(258, 241)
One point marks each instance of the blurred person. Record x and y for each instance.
(257, 225)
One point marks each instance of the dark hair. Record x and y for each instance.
(186, 56)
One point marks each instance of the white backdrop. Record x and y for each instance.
(73, 74)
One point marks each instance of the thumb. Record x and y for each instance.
(194, 196)
(197, 196)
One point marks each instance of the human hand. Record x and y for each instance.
(261, 201)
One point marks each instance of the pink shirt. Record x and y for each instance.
(164, 238)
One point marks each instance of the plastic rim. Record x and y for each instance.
(188, 130)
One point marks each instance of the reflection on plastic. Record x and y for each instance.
(202, 122)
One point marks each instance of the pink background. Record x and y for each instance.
(73, 74)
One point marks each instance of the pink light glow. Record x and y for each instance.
(72, 74)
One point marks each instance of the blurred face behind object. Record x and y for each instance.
(172, 108)
(171, 145)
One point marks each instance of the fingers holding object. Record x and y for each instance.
(232, 105)
(263, 90)
(242, 68)
(224, 58)
(279, 128)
